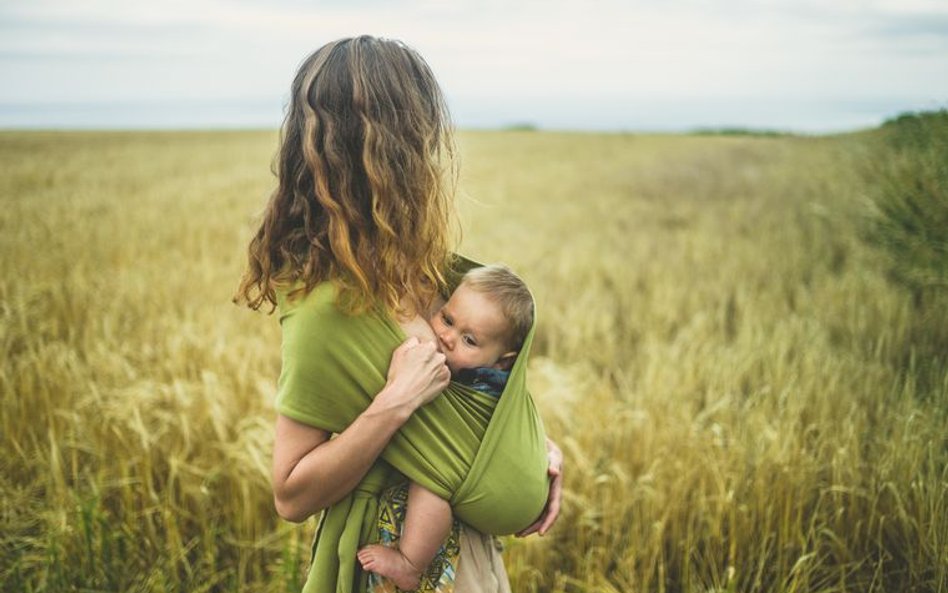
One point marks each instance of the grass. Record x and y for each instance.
(747, 402)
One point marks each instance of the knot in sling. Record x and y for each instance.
(485, 455)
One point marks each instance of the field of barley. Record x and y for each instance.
(746, 398)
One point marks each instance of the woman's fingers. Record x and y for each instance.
(409, 352)
(554, 457)
(531, 529)
(553, 505)
(407, 345)
(418, 370)
(440, 377)
(554, 469)
(551, 511)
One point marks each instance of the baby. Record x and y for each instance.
(480, 329)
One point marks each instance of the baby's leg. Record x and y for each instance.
(427, 524)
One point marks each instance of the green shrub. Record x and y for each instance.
(908, 175)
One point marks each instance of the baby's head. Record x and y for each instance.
(485, 321)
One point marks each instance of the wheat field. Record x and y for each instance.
(746, 401)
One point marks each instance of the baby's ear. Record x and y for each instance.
(506, 361)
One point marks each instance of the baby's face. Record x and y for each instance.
(471, 331)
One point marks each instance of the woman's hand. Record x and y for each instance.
(552, 509)
(416, 375)
(312, 472)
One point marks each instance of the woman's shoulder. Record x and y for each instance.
(310, 317)
(293, 299)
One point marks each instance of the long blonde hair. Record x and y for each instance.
(366, 174)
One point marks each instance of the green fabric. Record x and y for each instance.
(487, 456)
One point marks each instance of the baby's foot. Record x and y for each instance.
(389, 563)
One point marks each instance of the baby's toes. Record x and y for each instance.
(367, 557)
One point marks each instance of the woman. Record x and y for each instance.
(354, 250)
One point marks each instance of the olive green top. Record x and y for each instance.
(485, 455)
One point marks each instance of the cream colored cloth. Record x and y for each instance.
(480, 565)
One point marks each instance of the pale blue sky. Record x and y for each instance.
(802, 65)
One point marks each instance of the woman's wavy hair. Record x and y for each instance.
(366, 173)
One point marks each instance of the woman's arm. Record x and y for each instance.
(311, 472)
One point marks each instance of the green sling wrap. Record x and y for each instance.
(485, 455)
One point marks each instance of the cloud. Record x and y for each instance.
(563, 54)
(924, 26)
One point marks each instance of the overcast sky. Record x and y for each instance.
(803, 65)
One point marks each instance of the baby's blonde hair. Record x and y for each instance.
(510, 292)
